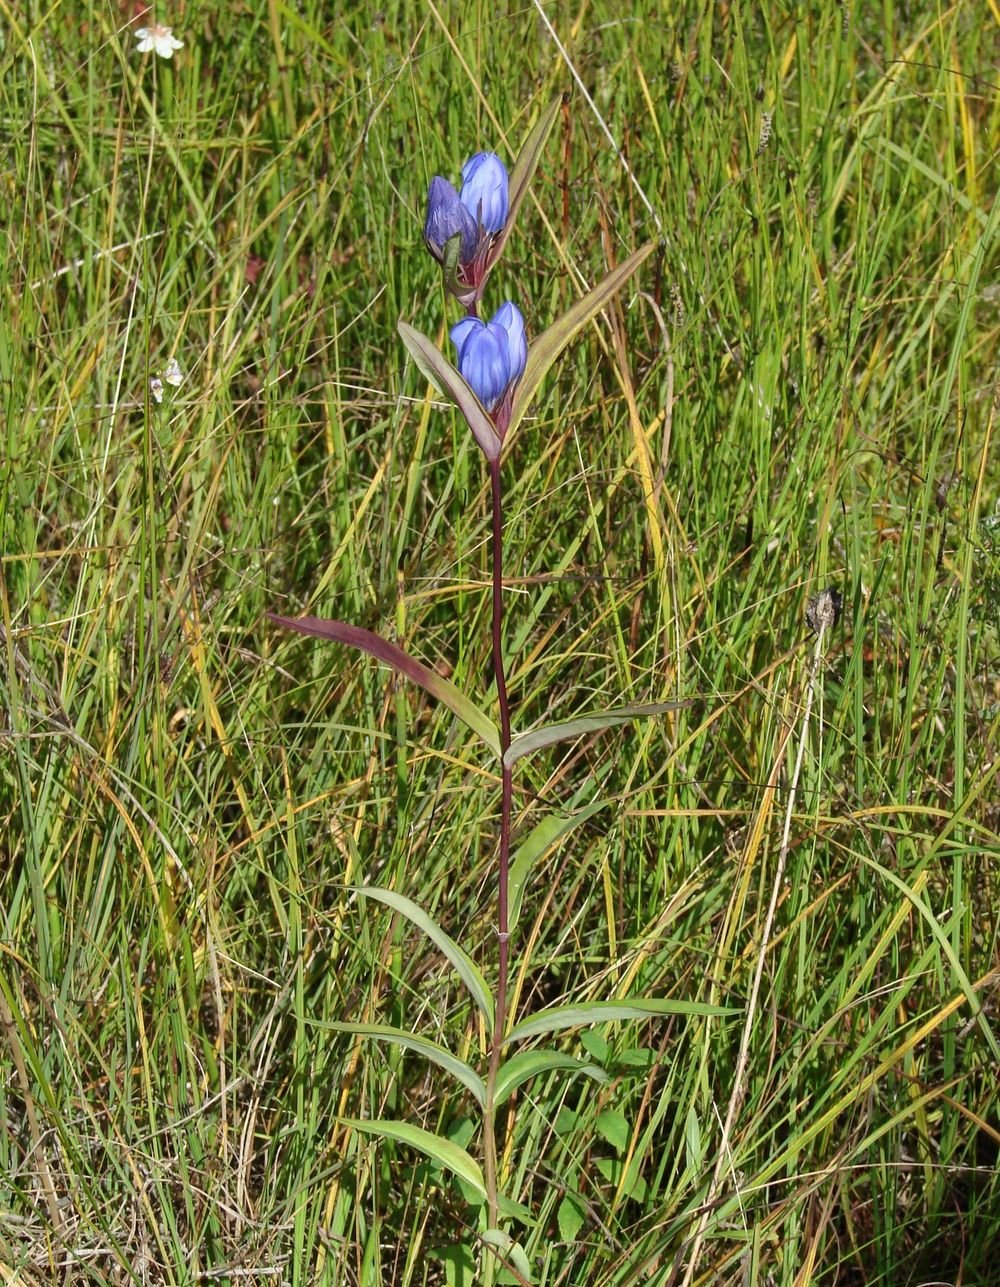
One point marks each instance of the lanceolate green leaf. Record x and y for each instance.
(534, 740)
(384, 651)
(442, 1151)
(514, 1210)
(467, 969)
(575, 1016)
(435, 366)
(529, 1063)
(544, 350)
(538, 840)
(422, 1045)
(523, 170)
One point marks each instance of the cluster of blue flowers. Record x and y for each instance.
(463, 231)
(480, 208)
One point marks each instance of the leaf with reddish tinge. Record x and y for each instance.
(525, 166)
(400, 661)
(439, 371)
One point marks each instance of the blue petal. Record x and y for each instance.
(508, 318)
(461, 331)
(485, 190)
(482, 359)
(446, 216)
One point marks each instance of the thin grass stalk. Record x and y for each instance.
(742, 1059)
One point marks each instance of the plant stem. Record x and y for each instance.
(500, 1021)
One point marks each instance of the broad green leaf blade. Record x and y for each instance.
(439, 1150)
(467, 969)
(515, 1210)
(536, 738)
(613, 1125)
(523, 170)
(529, 1063)
(543, 351)
(421, 1045)
(574, 1016)
(388, 653)
(439, 371)
(541, 838)
(572, 1215)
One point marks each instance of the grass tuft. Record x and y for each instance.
(797, 393)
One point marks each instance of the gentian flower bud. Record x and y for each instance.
(491, 358)
(477, 215)
(448, 217)
(483, 359)
(485, 190)
(508, 318)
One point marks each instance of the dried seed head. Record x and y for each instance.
(677, 304)
(944, 485)
(823, 610)
(766, 121)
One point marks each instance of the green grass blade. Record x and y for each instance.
(391, 655)
(467, 969)
(932, 923)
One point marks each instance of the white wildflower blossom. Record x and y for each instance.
(157, 38)
(172, 373)
(156, 388)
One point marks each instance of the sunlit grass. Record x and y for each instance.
(798, 393)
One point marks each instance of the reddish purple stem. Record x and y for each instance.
(507, 784)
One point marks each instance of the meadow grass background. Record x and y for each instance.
(797, 391)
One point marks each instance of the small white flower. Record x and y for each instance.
(158, 38)
(172, 373)
(156, 388)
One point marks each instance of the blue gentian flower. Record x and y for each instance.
(482, 359)
(477, 214)
(485, 190)
(446, 218)
(492, 355)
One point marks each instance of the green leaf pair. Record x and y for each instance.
(456, 701)
(542, 352)
(553, 1019)
(513, 1072)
